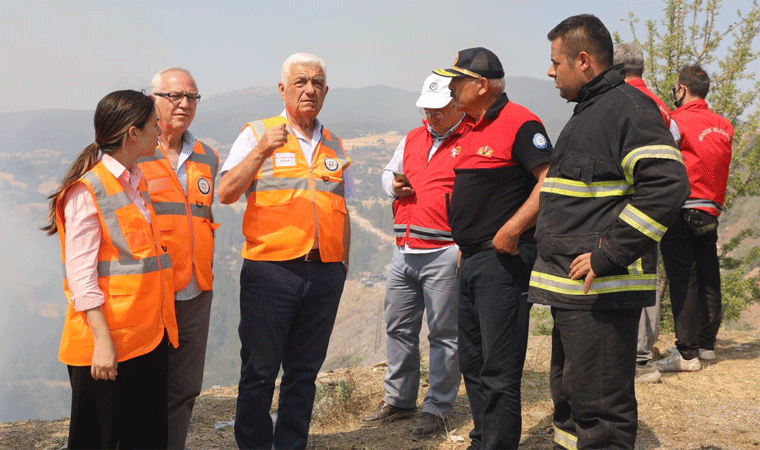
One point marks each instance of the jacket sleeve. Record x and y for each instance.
(653, 165)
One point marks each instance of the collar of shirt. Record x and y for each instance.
(307, 147)
(447, 133)
(188, 142)
(121, 172)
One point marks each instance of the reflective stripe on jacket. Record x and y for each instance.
(290, 202)
(186, 223)
(420, 220)
(134, 273)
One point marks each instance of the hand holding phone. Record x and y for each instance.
(401, 185)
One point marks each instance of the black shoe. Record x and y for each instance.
(387, 413)
(429, 424)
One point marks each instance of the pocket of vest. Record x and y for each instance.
(577, 166)
(123, 311)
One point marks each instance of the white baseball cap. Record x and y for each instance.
(435, 92)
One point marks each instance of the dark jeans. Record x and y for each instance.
(693, 270)
(129, 412)
(592, 378)
(493, 337)
(287, 313)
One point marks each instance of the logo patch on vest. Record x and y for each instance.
(485, 151)
(204, 186)
(455, 151)
(539, 140)
(331, 164)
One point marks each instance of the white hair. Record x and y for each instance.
(301, 58)
(497, 84)
(154, 85)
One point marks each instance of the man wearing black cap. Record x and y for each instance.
(615, 184)
(500, 165)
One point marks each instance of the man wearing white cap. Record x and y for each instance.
(422, 276)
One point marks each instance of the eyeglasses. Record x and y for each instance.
(431, 114)
(176, 97)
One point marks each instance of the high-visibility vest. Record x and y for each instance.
(420, 220)
(134, 273)
(186, 223)
(288, 201)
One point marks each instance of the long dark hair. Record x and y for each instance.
(116, 113)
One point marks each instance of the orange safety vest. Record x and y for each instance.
(134, 273)
(288, 201)
(186, 223)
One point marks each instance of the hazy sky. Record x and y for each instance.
(69, 54)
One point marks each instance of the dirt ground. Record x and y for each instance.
(716, 408)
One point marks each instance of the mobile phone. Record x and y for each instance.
(400, 177)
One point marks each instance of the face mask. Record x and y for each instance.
(678, 101)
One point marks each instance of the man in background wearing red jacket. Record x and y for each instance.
(689, 247)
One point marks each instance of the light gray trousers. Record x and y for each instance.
(420, 283)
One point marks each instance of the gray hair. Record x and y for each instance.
(301, 58)
(632, 57)
(497, 84)
(154, 85)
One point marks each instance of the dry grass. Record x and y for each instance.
(716, 408)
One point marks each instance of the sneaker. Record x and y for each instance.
(675, 363)
(429, 424)
(706, 355)
(647, 373)
(386, 413)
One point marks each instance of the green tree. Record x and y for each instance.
(687, 34)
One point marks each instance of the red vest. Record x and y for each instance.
(639, 84)
(420, 220)
(706, 147)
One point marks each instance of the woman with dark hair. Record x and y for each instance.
(118, 282)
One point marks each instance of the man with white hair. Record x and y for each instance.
(295, 176)
(422, 275)
(180, 179)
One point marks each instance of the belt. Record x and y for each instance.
(469, 250)
(312, 256)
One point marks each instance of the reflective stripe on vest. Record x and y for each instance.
(702, 203)
(423, 233)
(600, 285)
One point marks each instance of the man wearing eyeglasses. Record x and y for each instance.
(422, 274)
(180, 179)
(500, 165)
(296, 178)
(689, 249)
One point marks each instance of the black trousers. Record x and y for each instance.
(287, 313)
(691, 263)
(129, 412)
(493, 337)
(592, 378)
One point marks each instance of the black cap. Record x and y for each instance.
(475, 62)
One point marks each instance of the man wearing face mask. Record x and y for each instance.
(689, 249)
(422, 275)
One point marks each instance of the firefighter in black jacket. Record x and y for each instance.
(615, 183)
